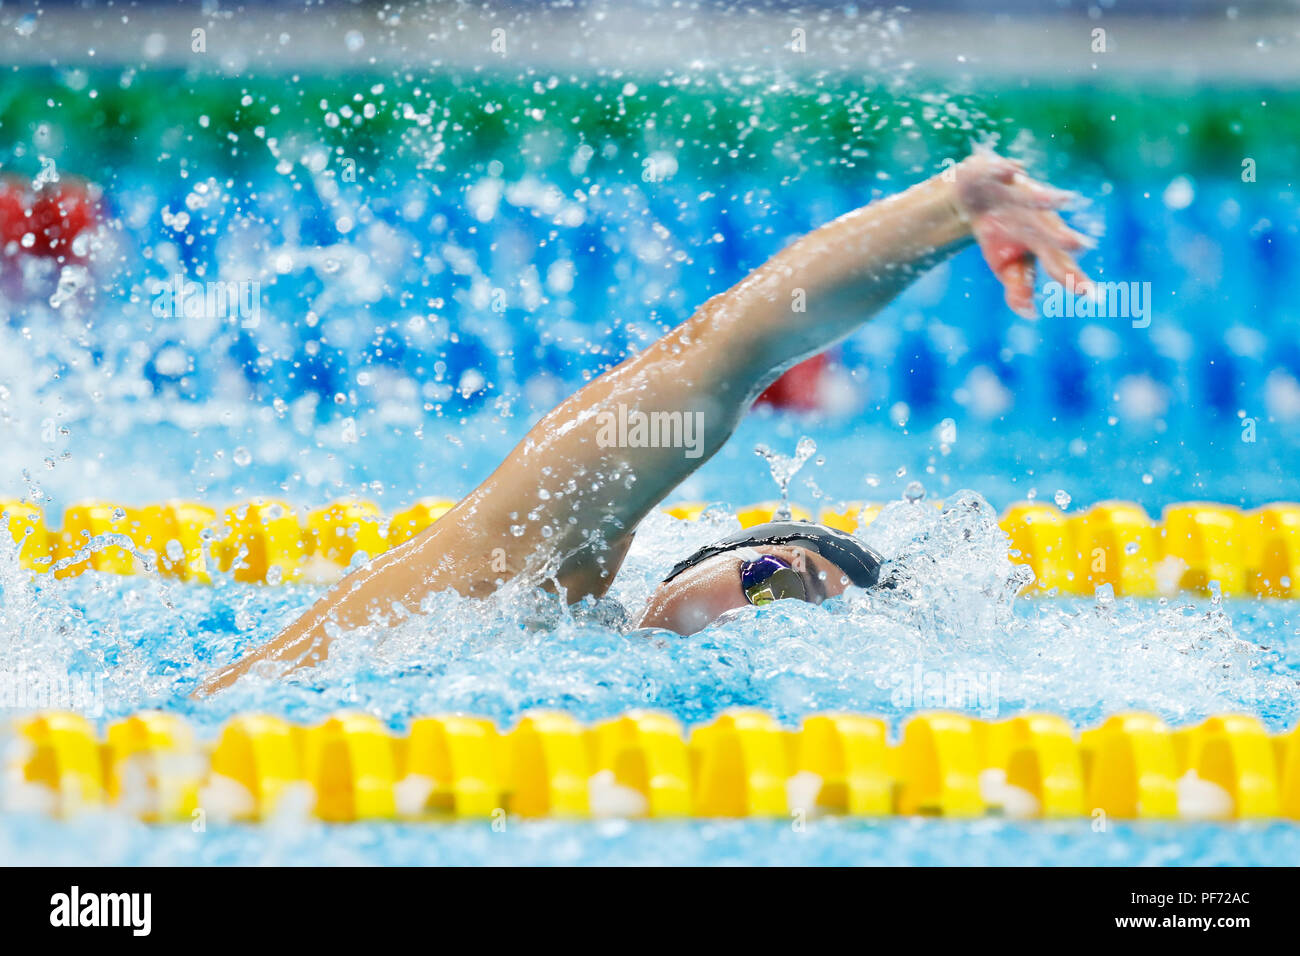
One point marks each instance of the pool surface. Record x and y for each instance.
(442, 255)
(106, 841)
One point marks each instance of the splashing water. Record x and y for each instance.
(784, 468)
(48, 175)
(950, 634)
(498, 240)
(72, 278)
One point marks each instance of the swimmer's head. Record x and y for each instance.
(770, 562)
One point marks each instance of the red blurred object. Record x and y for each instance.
(799, 389)
(53, 215)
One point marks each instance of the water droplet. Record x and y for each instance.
(48, 175)
(1062, 499)
(71, 280)
(177, 221)
(243, 456)
(914, 492)
(783, 468)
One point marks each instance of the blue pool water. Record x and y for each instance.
(1071, 657)
(956, 617)
(826, 842)
(379, 367)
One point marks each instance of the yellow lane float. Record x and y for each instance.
(644, 764)
(1195, 547)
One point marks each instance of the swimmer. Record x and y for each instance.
(562, 508)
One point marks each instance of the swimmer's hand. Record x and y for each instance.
(1014, 220)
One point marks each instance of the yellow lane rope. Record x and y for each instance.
(643, 764)
(1246, 553)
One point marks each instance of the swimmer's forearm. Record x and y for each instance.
(820, 288)
(707, 370)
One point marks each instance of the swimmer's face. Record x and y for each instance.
(708, 590)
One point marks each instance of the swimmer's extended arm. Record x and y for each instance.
(565, 503)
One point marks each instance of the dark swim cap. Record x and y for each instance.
(859, 563)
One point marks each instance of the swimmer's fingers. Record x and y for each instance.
(1011, 245)
(1017, 278)
(1062, 267)
(1052, 243)
(1050, 227)
(1068, 238)
(1011, 260)
(1018, 191)
(1036, 195)
(1014, 219)
(1004, 240)
(1045, 232)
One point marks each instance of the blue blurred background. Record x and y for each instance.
(448, 238)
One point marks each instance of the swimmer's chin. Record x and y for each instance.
(651, 622)
(682, 625)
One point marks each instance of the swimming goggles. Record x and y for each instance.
(767, 578)
(859, 563)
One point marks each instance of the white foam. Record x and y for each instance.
(802, 791)
(609, 798)
(1012, 801)
(1203, 799)
(411, 794)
